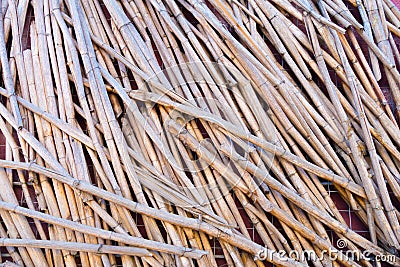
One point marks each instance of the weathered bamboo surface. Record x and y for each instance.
(139, 132)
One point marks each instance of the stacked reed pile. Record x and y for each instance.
(180, 111)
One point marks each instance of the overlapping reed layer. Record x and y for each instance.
(137, 131)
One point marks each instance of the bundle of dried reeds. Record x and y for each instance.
(140, 132)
